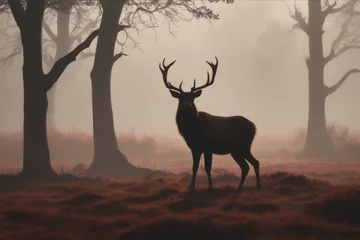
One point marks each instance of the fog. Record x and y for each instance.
(262, 75)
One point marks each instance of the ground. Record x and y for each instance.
(289, 206)
(301, 199)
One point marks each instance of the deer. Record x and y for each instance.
(209, 134)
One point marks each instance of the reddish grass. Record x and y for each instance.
(163, 209)
(301, 199)
(274, 152)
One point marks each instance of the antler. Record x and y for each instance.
(208, 82)
(164, 70)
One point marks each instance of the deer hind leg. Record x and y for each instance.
(244, 166)
(256, 165)
(208, 163)
(196, 160)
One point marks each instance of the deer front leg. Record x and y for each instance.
(196, 160)
(208, 163)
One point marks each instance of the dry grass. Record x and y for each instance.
(70, 149)
(162, 209)
(72, 152)
(301, 199)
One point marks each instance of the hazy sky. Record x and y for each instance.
(261, 75)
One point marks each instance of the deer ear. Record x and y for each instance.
(197, 94)
(175, 94)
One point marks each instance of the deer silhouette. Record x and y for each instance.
(209, 134)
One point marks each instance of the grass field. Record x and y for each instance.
(288, 207)
(300, 199)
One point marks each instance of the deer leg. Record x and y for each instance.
(196, 160)
(208, 163)
(256, 165)
(244, 166)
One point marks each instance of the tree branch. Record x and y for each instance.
(301, 23)
(61, 64)
(49, 31)
(332, 89)
(122, 27)
(18, 12)
(119, 55)
(91, 54)
(17, 50)
(89, 27)
(343, 33)
(74, 37)
(342, 50)
(331, 55)
(330, 9)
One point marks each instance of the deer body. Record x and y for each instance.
(216, 134)
(209, 134)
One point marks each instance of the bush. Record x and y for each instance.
(347, 144)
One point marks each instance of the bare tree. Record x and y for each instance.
(318, 142)
(65, 37)
(28, 16)
(134, 16)
(72, 21)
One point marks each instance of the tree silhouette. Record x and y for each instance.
(134, 15)
(318, 142)
(56, 44)
(65, 37)
(28, 16)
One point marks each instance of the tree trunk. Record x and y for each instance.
(62, 48)
(36, 161)
(108, 160)
(36, 156)
(318, 142)
(106, 153)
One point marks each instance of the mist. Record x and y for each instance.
(262, 75)
(225, 178)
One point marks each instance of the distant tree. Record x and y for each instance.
(134, 15)
(65, 37)
(318, 142)
(56, 44)
(28, 16)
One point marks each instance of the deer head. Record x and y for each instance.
(186, 99)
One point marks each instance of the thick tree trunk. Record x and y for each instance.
(36, 161)
(106, 153)
(62, 48)
(108, 160)
(36, 156)
(318, 142)
(51, 108)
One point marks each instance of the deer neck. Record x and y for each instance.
(187, 121)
